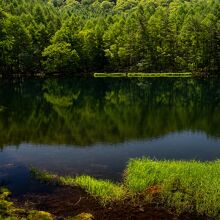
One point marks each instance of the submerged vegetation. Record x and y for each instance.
(183, 186)
(107, 35)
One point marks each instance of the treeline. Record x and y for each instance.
(71, 36)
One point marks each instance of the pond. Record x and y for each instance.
(75, 126)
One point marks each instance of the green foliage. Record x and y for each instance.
(186, 186)
(60, 57)
(103, 35)
(109, 75)
(5, 206)
(141, 75)
(82, 216)
(105, 191)
(39, 215)
(8, 211)
(44, 176)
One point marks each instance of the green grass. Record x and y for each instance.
(154, 75)
(186, 186)
(183, 186)
(104, 190)
(103, 75)
(148, 75)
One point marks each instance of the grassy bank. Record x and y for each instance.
(186, 186)
(144, 75)
(103, 190)
(192, 187)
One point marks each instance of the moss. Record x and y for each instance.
(82, 216)
(6, 207)
(39, 215)
(8, 211)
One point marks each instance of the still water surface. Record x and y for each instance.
(94, 126)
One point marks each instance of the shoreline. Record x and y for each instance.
(61, 205)
(45, 75)
(151, 189)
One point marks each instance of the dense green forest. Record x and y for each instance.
(72, 36)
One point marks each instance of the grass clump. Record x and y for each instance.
(153, 75)
(104, 190)
(186, 186)
(103, 75)
(44, 176)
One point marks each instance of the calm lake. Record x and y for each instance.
(94, 126)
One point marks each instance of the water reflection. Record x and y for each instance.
(87, 111)
(93, 126)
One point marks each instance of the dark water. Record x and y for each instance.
(93, 126)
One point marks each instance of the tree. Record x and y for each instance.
(60, 57)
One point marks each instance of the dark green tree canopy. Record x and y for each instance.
(95, 35)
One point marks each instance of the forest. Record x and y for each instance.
(69, 36)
